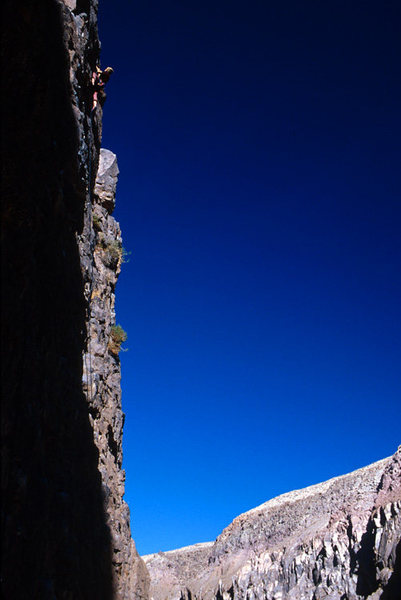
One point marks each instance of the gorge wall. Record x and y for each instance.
(65, 526)
(338, 540)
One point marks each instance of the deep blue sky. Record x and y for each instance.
(258, 144)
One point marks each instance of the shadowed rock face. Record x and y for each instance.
(65, 528)
(338, 540)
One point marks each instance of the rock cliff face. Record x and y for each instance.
(101, 256)
(338, 540)
(65, 527)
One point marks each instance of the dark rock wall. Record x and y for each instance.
(58, 538)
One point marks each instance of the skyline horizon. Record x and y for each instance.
(259, 196)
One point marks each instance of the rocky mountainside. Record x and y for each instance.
(65, 526)
(338, 540)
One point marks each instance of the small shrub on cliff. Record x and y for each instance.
(113, 253)
(117, 337)
(96, 222)
(125, 255)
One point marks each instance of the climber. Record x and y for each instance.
(99, 80)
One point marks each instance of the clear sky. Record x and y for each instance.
(259, 194)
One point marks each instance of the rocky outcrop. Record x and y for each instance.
(65, 527)
(102, 255)
(339, 540)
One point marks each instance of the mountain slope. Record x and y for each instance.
(339, 539)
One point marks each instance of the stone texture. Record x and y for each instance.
(101, 260)
(106, 180)
(65, 527)
(100, 248)
(55, 538)
(338, 540)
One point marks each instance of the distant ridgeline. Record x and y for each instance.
(338, 540)
(65, 528)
